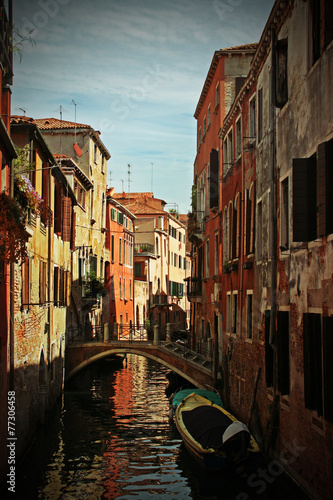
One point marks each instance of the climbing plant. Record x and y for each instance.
(13, 236)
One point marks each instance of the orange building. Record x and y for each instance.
(120, 266)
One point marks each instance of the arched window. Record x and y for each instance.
(237, 227)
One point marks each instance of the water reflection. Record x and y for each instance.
(111, 439)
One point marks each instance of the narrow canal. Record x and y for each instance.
(111, 439)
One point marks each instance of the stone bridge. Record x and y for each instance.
(190, 365)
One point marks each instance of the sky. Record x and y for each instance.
(135, 70)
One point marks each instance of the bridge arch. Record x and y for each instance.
(105, 354)
(190, 367)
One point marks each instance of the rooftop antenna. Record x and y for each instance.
(122, 185)
(74, 120)
(129, 181)
(23, 110)
(60, 136)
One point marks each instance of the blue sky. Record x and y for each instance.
(135, 70)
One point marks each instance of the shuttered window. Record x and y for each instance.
(283, 352)
(269, 353)
(214, 179)
(304, 199)
(281, 87)
(312, 199)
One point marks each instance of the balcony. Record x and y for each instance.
(194, 289)
(144, 248)
(160, 300)
(196, 226)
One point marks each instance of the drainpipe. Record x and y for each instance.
(272, 215)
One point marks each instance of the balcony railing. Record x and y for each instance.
(160, 300)
(144, 248)
(194, 287)
(196, 225)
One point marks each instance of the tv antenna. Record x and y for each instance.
(23, 110)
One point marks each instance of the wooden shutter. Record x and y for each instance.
(56, 285)
(304, 199)
(269, 353)
(312, 362)
(214, 179)
(66, 219)
(283, 351)
(328, 371)
(73, 230)
(57, 207)
(324, 189)
(281, 81)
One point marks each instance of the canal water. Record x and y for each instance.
(111, 439)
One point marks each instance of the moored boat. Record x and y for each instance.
(212, 435)
(178, 396)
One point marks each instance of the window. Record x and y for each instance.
(228, 326)
(131, 255)
(214, 179)
(260, 115)
(216, 260)
(236, 233)
(112, 247)
(217, 96)
(225, 235)
(120, 289)
(249, 312)
(207, 259)
(250, 220)
(252, 119)
(120, 218)
(281, 73)
(322, 26)
(234, 312)
(284, 215)
(180, 261)
(131, 291)
(199, 137)
(124, 287)
(208, 117)
(124, 252)
(228, 157)
(137, 269)
(42, 282)
(269, 352)
(283, 381)
(259, 232)
(113, 214)
(120, 250)
(238, 138)
(103, 211)
(204, 127)
(25, 284)
(312, 186)
(318, 353)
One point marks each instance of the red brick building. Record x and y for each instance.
(227, 72)
(119, 243)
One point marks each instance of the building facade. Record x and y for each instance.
(7, 154)
(41, 283)
(84, 146)
(276, 231)
(120, 269)
(227, 72)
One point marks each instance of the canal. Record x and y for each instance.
(111, 438)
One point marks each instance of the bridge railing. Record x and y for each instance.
(165, 334)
